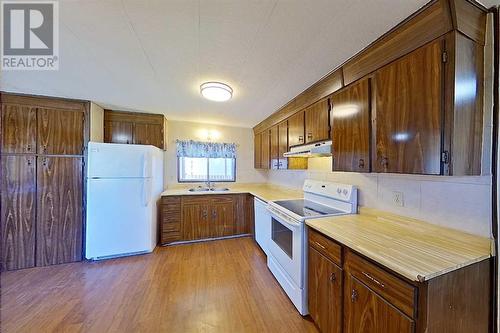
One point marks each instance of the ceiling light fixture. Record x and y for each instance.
(216, 91)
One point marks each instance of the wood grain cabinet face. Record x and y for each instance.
(195, 219)
(119, 132)
(18, 219)
(365, 311)
(59, 210)
(265, 150)
(324, 292)
(18, 129)
(148, 134)
(317, 121)
(296, 129)
(257, 146)
(274, 147)
(282, 144)
(350, 117)
(408, 98)
(60, 132)
(223, 217)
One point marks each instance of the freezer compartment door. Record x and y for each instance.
(119, 217)
(110, 160)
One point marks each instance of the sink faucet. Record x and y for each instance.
(209, 185)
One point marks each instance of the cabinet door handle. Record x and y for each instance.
(214, 214)
(29, 161)
(204, 214)
(361, 164)
(309, 135)
(333, 277)
(44, 148)
(369, 277)
(384, 162)
(301, 138)
(320, 245)
(28, 147)
(354, 296)
(44, 161)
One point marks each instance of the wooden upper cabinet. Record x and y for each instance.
(18, 129)
(59, 210)
(17, 216)
(296, 129)
(365, 311)
(282, 144)
(60, 132)
(265, 150)
(274, 147)
(135, 128)
(408, 99)
(257, 149)
(324, 292)
(118, 132)
(350, 116)
(317, 123)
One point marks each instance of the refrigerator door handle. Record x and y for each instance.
(146, 192)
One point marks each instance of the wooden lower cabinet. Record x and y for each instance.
(325, 292)
(59, 224)
(187, 218)
(366, 311)
(18, 218)
(364, 296)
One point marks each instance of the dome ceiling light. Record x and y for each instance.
(216, 91)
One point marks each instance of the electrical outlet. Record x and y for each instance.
(398, 198)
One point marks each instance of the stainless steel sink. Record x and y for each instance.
(219, 189)
(199, 189)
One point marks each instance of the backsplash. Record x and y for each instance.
(462, 203)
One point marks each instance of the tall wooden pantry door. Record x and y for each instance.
(42, 166)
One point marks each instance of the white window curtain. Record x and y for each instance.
(205, 149)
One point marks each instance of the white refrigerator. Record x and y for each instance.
(124, 183)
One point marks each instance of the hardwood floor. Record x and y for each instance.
(218, 286)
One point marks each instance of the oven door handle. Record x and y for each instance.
(283, 218)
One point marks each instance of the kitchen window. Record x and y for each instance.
(206, 161)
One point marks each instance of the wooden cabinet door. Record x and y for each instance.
(408, 98)
(317, 122)
(265, 144)
(59, 210)
(365, 311)
(350, 116)
(282, 144)
(296, 129)
(257, 147)
(18, 129)
(60, 132)
(17, 216)
(324, 292)
(118, 132)
(170, 219)
(195, 218)
(148, 134)
(223, 215)
(274, 147)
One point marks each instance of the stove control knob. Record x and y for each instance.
(344, 191)
(339, 190)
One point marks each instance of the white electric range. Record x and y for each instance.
(287, 258)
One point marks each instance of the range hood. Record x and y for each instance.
(323, 148)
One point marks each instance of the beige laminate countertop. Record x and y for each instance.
(265, 192)
(417, 250)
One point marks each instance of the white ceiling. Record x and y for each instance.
(152, 55)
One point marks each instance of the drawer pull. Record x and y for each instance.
(354, 296)
(333, 277)
(321, 246)
(373, 279)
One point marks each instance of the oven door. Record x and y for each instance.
(287, 246)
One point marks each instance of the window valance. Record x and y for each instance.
(190, 148)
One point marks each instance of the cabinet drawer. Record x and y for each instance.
(396, 291)
(171, 200)
(325, 246)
